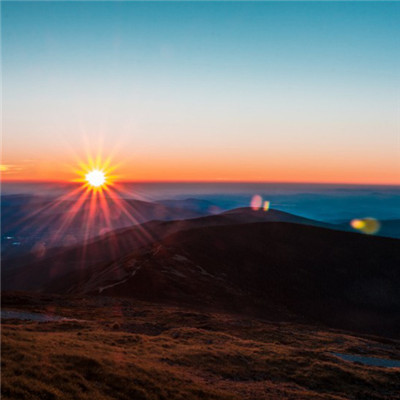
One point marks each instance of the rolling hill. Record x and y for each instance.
(33, 271)
(273, 270)
(268, 264)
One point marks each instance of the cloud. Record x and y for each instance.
(6, 169)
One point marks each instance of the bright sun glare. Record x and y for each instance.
(95, 178)
(96, 174)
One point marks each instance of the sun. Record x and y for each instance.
(96, 175)
(96, 178)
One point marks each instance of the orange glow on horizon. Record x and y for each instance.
(146, 168)
(305, 181)
(95, 200)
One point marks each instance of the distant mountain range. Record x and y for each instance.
(36, 224)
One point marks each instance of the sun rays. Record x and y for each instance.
(96, 173)
(94, 202)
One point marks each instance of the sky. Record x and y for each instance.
(203, 91)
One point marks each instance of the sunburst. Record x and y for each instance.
(95, 174)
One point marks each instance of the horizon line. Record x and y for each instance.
(223, 181)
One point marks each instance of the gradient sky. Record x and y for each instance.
(272, 91)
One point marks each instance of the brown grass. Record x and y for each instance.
(132, 350)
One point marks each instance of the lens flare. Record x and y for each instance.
(366, 225)
(256, 202)
(266, 205)
(357, 224)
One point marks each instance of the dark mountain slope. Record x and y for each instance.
(33, 272)
(274, 270)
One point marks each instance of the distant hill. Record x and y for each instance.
(247, 214)
(390, 228)
(199, 205)
(34, 223)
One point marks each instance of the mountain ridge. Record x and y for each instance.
(275, 270)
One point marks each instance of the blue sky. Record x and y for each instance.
(275, 89)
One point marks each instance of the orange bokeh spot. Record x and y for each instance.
(366, 225)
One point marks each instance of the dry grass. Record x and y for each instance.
(132, 350)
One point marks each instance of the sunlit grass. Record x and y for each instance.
(133, 350)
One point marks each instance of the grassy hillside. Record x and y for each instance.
(125, 349)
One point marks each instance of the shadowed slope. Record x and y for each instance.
(34, 271)
(276, 270)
